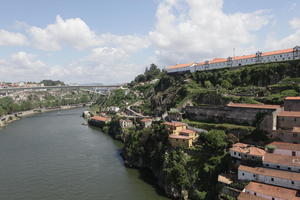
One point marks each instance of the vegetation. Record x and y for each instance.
(51, 83)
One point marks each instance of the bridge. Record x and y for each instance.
(104, 87)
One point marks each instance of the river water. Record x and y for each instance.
(51, 156)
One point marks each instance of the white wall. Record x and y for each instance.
(281, 166)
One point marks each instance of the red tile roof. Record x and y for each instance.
(282, 159)
(244, 57)
(259, 106)
(247, 149)
(174, 124)
(271, 172)
(246, 196)
(100, 118)
(180, 66)
(292, 98)
(289, 114)
(182, 137)
(217, 60)
(277, 52)
(286, 146)
(272, 191)
(146, 120)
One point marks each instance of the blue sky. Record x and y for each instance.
(112, 41)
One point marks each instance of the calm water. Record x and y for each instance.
(51, 156)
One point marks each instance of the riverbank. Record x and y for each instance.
(7, 119)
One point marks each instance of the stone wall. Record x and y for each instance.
(288, 122)
(292, 105)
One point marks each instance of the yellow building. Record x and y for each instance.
(180, 140)
(175, 127)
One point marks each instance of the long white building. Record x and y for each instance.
(218, 63)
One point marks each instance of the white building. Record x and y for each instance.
(270, 192)
(283, 162)
(270, 176)
(246, 152)
(284, 148)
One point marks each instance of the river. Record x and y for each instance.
(51, 156)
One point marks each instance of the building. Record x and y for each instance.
(98, 121)
(174, 115)
(269, 192)
(146, 122)
(246, 152)
(286, 120)
(290, 136)
(238, 61)
(283, 162)
(184, 137)
(175, 127)
(270, 176)
(284, 148)
(292, 104)
(126, 123)
(247, 196)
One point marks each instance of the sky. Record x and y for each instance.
(111, 41)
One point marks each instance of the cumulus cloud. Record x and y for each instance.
(192, 30)
(12, 39)
(288, 41)
(73, 32)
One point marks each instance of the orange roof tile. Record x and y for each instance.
(247, 149)
(146, 120)
(244, 57)
(247, 196)
(173, 136)
(271, 172)
(179, 66)
(174, 124)
(282, 159)
(286, 145)
(200, 63)
(292, 98)
(259, 106)
(217, 60)
(272, 191)
(270, 53)
(100, 118)
(289, 114)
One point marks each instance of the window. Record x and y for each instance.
(272, 179)
(254, 175)
(292, 182)
(294, 134)
(289, 168)
(293, 153)
(255, 193)
(295, 119)
(267, 165)
(278, 167)
(252, 157)
(234, 153)
(273, 198)
(243, 174)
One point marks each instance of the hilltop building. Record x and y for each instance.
(99, 121)
(246, 152)
(146, 122)
(238, 61)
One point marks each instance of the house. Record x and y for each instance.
(292, 104)
(283, 162)
(98, 121)
(126, 123)
(184, 138)
(270, 192)
(285, 148)
(270, 176)
(146, 122)
(286, 120)
(175, 127)
(246, 152)
(174, 115)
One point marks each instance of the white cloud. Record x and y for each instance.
(10, 38)
(192, 30)
(73, 32)
(288, 41)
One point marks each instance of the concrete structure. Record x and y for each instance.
(292, 104)
(219, 63)
(269, 192)
(126, 123)
(246, 152)
(175, 127)
(146, 122)
(282, 162)
(244, 114)
(270, 176)
(284, 148)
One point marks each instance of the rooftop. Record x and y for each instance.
(285, 145)
(289, 114)
(247, 196)
(257, 106)
(292, 98)
(282, 159)
(271, 172)
(270, 53)
(244, 57)
(100, 118)
(188, 131)
(182, 137)
(174, 124)
(146, 120)
(218, 60)
(180, 66)
(272, 191)
(248, 149)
